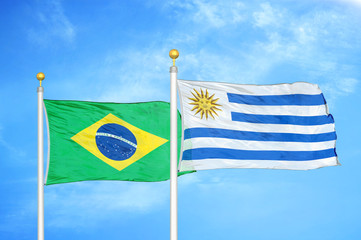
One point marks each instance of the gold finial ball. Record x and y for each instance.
(40, 76)
(173, 53)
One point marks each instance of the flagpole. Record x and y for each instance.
(40, 76)
(173, 148)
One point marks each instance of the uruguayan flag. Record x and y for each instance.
(283, 126)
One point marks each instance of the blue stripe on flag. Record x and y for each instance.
(235, 154)
(257, 136)
(282, 119)
(276, 100)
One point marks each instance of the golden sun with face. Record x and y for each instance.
(204, 104)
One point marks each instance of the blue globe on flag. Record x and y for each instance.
(116, 142)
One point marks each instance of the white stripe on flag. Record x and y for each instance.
(278, 110)
(256, 145)
(276, 128)
(251, 89)
(207, 164)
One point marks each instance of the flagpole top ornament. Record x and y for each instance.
(40, 76)
(173, 54)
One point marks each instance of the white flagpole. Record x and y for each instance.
(173, 148)
(40, 76)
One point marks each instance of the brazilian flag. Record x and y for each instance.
(108, 141)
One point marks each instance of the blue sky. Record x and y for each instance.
(118, 51)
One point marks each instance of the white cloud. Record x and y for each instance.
(338, 87)
(52, 24)
(353, 2)
(306, 41)
(268, 16)
(87, 204)
(188, 180)
(135, 76)
(304, 35)
(121, 75)
(215, 14)
(348, 85)
(214, 188)
(207, 65)
(13, 151)
(288, 38)
(218, 15)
